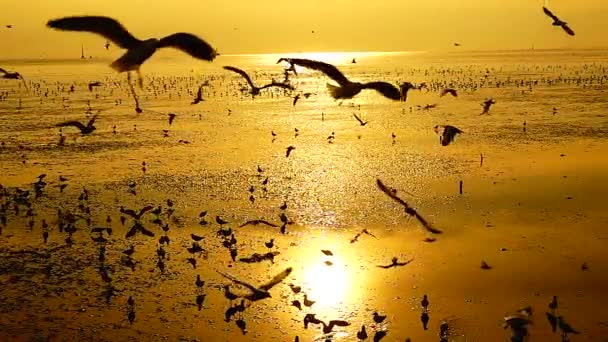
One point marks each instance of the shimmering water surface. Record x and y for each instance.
(533, 209)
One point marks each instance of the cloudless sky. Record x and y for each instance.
(267, 26)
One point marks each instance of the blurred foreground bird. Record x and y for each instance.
(346, 89)
(12, 76)
(84, 130)
(138, 51)
(446, 133)
(558, 22)
(486, 105)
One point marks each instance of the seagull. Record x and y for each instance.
(261, 292)
(408, 210)
(446, 133)
(364, 231)
(346, 89)
(171, 118)
(289, 149)
(256, 222)
(378, 318)
(565, 327)
(199, 94)
(12, 76)
(362, 334)
(450, 91)
(84, 130)
(558, 22)
(486, 105)
(254, 89)
(395, 263)
(297, 97)
(94, 84)
(138, 51)
(360, 121)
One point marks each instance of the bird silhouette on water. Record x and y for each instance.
(486, 105)
(258, 293)
(408, 210)
(358, 235)
(199, 94)
(254, 89)
(395, 263)
(558, 22)
(138, 51)
(378, 318)
(450, 91)
(84, 130)
(346, 89)
(446, 133)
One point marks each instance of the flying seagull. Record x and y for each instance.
(446, 133)
(558, 22)
(361, 122)
(94, 84)
(486, 105)
(12, 76)
(254, 89)
(261, 292)
(84, 130)
(408, 210)
(138, 51)
(346, 89)
(450, 91)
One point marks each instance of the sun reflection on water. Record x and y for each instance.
(328, 285)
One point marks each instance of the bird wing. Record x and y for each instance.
(228, 276)
(358, 119)
(3, 71)
(278, 84)
(391, 194)
(385, 266)
(92, 121)
(242, 73)
(384, 88)
(550, 14)
(338, 323)
(145, 209)
(268, 223)
(424, 222)
(328, 69)
(190, 44)
(105, 26)
(277, 279)
(568, 29)
(76, 124)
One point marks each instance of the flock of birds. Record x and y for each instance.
(138, 51)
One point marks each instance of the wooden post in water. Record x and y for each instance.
(461, 187)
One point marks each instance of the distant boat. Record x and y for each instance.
(82, 52)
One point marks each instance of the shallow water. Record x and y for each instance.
(537, 195)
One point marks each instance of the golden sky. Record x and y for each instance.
(266, 26)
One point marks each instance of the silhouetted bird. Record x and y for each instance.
(485, 266)
(425, 302)
(94, 84)
(269, 244)
(486, 105)
(297, 304)
(361, 122)
(199, 94)
(379, 318)
(558, 22)
(308, 302)
(256, 222)
(89, 128)
(552, 321)
(448, 91)
(565, 328)
(254, 89)
(220, 221)
(327, 252)
(294, 288)
(362, 334)
(10, 75)
(138, 51)
(424, 318)
(408, 210)
(380, 334)
(258, 293)
(289, 149)
(171, 118)
(346, 88)
(446, 133)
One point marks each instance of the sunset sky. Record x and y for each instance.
(266, 26)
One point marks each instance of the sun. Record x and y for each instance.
(329, 285)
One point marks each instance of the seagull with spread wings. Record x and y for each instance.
(346, 89)
(138, 51)
(258, 293)
(408, 210)
(255, 90)
(558, 22)
(84, 130)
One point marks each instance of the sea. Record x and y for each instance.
(227, 157)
